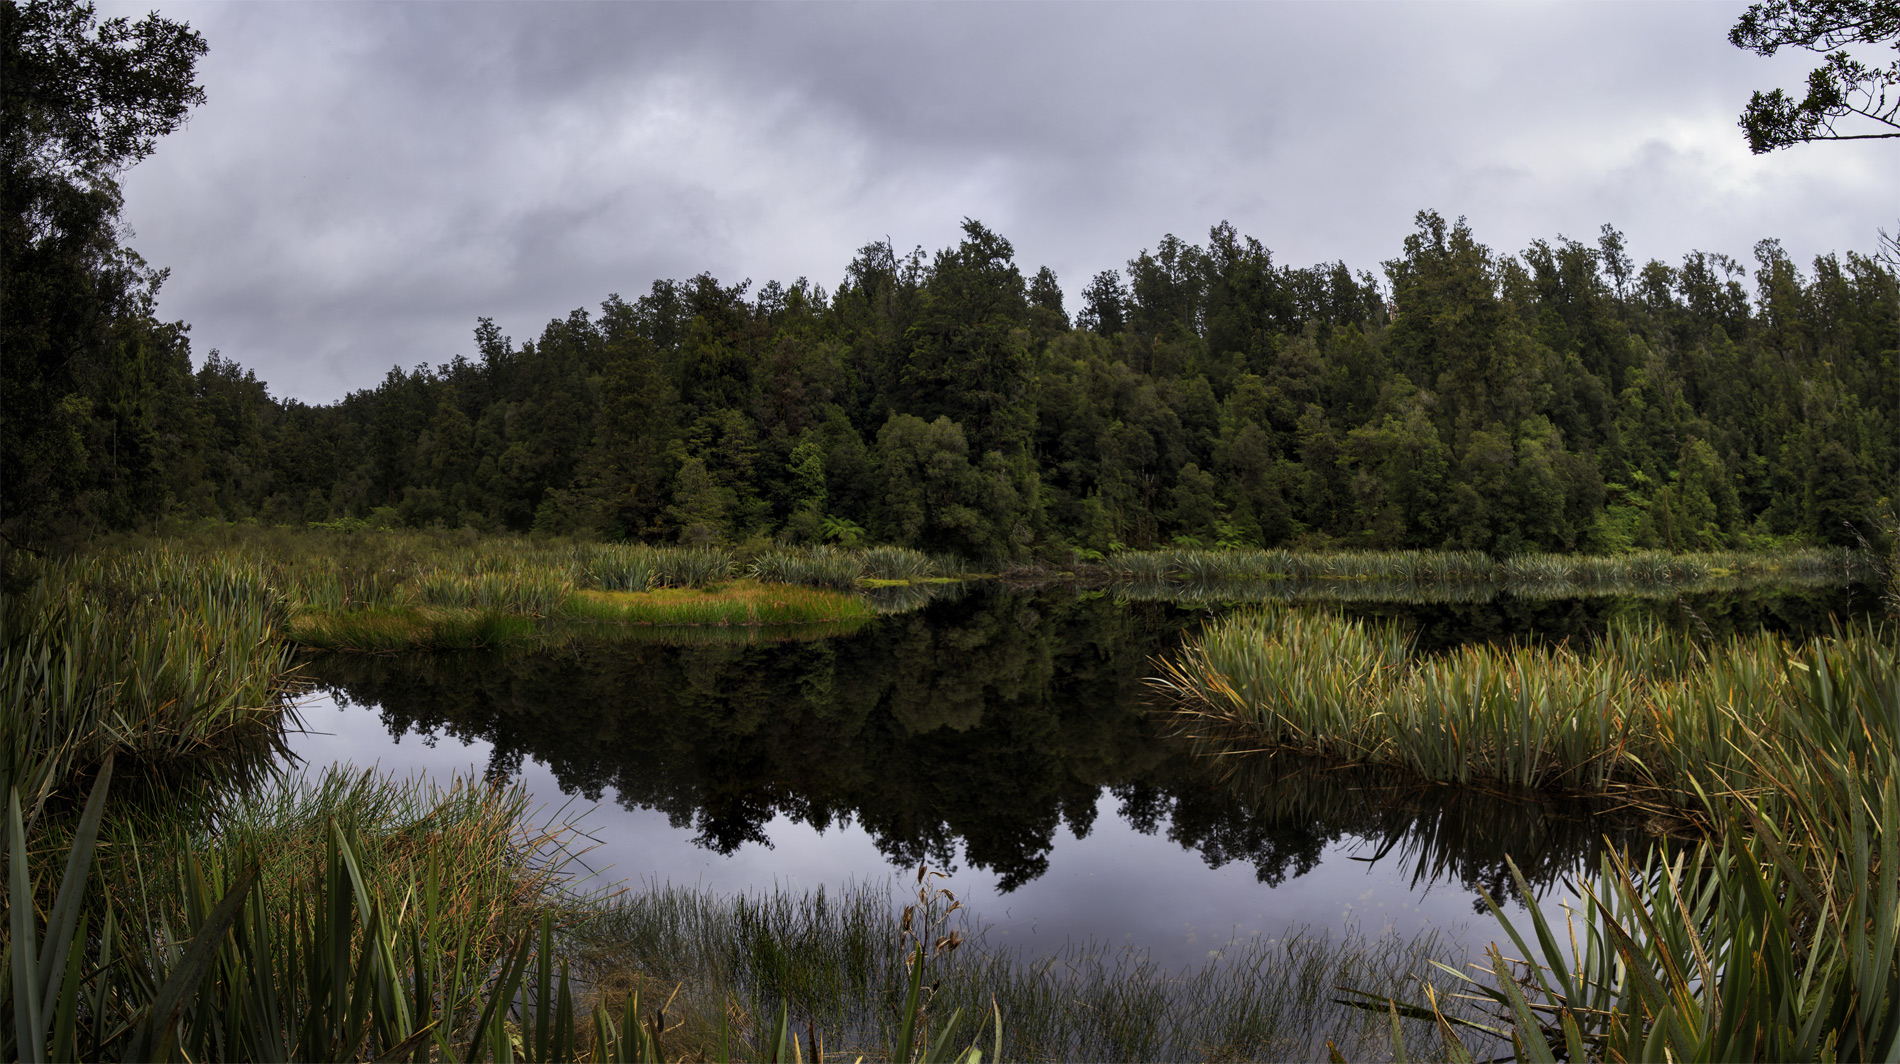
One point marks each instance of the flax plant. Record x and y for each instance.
(1777, 937)
(1646, 710)
(181, 671)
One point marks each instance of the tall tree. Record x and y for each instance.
(80, 101)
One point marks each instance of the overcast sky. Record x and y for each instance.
(365, 180)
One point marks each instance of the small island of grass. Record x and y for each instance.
(743, 601)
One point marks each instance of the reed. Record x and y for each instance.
(690, 566)
(527, 591)
(357, 919)
(816, 567)
(736, 602)
(1435, 573)
(383, 592)
(1645, 710)
(614, 567)
(1777, 937)
(381, 631)
(181, 671)
(897, 563)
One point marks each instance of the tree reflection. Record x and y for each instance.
(982, 724)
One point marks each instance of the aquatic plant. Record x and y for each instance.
(1440, 575)
(180, 670)
(816, 567)
(614, 567)
(897, 563)
(356, 919)
(690, 566)
(825, 958)
(1645, 709)
(1777, 937)
(529, 591)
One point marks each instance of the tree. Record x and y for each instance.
(1104, 305)
(1842, 88)
(80, 101)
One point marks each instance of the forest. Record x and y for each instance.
(1558, 399)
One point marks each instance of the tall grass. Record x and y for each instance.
(898, 563)
(817, 567)
(357, 921)
(528, 591)
(1775, 938)
(361, 919)
(182, 670)
(614, 567)
(737, 602)
(1647, 709)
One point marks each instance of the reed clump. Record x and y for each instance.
(378, 592)
(180, 668)
(356, 919)
(898, 563)
(1647, 710)
(817, 567)
(1774, 937)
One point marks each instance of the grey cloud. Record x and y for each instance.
(367, 179)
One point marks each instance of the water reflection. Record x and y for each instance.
(1280, 813)
(985, 722)
(982, 726)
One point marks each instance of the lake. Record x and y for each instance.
(1005, 735)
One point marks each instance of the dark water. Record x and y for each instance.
(1005, 735)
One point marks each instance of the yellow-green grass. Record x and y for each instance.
(733, 602)
(387, 629)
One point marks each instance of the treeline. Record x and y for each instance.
(1560, 399)
(1557, 400)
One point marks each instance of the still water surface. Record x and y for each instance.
(1004, 736)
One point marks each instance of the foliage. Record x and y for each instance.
(1843, 87)
(96, 390)
(1775, 938)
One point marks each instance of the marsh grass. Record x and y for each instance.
(181, 670)
(357, 918)
(732, 603)
(383, 592)
(1775, 937)
(817, 567)
(376, 631)
(898, 563)
(1426, 576)
(1647, 710)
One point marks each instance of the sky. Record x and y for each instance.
(365, 180)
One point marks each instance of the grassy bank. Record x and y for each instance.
(733, 602)
(1436, 574)
(378, 592)
(1775, 937)
(1646, 710)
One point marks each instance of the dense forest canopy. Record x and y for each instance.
(1562, 398)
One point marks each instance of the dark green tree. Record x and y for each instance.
(80, 101)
